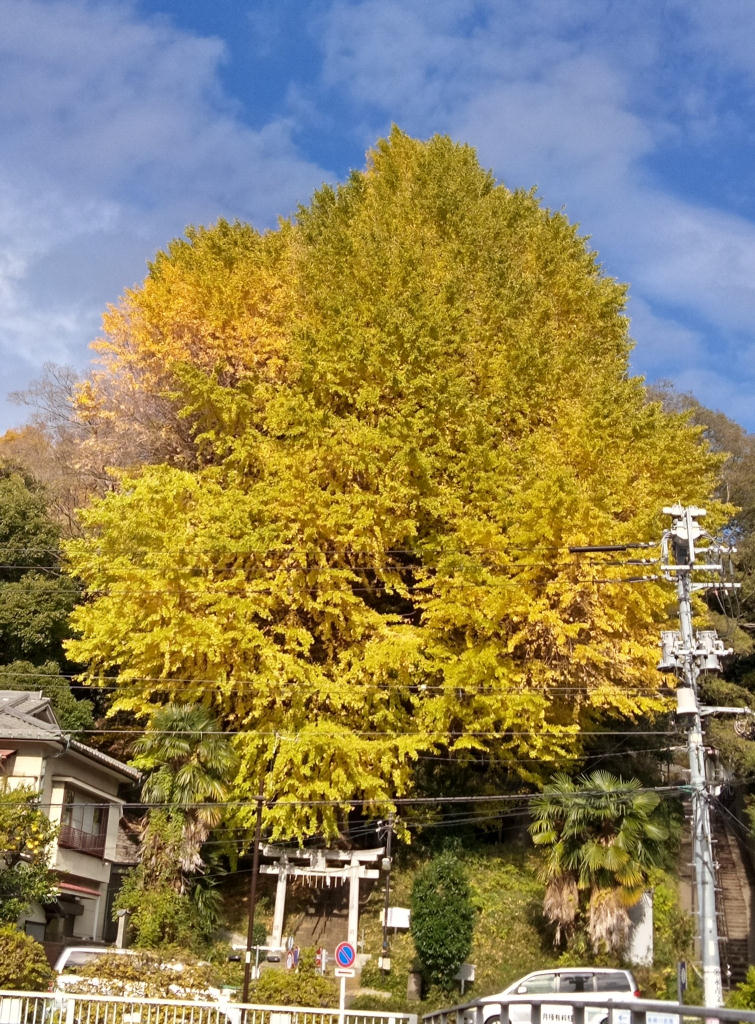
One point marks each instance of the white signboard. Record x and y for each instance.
(398, 917)
(465, 972)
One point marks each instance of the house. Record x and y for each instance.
(81, 791)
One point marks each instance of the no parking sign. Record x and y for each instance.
(345, 955)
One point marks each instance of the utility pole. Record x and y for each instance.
(252, 900)
(385, 959)
(253, 880)
(688, 653)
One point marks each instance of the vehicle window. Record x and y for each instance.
(537, 984)
(576, 983)
(81, 956)
(612, 981)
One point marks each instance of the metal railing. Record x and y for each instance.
(591, 1009)
(71, 838)
(70, 1008)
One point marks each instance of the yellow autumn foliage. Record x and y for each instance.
(359, 449)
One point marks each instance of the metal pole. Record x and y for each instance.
(252, 900)
(702, 839)
(386, 962)
(342, 1001)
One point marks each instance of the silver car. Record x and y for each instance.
(591, 984)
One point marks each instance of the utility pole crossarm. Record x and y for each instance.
(705, 710)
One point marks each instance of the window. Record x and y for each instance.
(83, 823)
(612, 981)
(576, 983)
(538, 983)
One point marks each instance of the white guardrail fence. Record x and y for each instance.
(554, 1009)
(69, 1008)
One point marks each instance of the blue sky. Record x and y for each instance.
(123, 122)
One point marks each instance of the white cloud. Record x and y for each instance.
(580, 101)
(715, 391)
(664, 344)
(116, 135)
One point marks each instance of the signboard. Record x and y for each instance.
(345, 954)
(640, 945)
(398, 917)
(344, 972)
(466, 973)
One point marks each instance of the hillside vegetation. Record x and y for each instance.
(511, 936)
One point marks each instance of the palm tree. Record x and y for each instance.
(602, 835)
(190, 764)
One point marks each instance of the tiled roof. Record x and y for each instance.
(27, 715)
(106, 759)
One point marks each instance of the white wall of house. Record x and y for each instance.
(80, 795)
(28, 770)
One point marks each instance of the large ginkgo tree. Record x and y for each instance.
(354, 453)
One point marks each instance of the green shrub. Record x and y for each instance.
(383, 1002)
(147, 974)
(159, 915)
(743, 996)
(230, 972)
(302, 987)
(443, 916)
(673, 940)
(166, 907)
(23, 964)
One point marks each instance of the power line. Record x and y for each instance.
(569, 731)
(492, 690)
(272, 803)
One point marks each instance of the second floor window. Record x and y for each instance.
(83, 824)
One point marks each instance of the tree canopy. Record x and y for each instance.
(25, 838)
(36, 598)
(359, 449)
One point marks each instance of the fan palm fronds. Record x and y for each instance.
(190, 764)
(605, 833)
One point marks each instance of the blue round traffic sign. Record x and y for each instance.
(345, 954)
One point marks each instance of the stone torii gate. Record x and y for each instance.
(329, 867)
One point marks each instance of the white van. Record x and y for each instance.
(591, 984)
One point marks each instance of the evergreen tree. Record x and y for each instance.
(36, 598)
(442, 918)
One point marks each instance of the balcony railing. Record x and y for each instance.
(85, 842)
